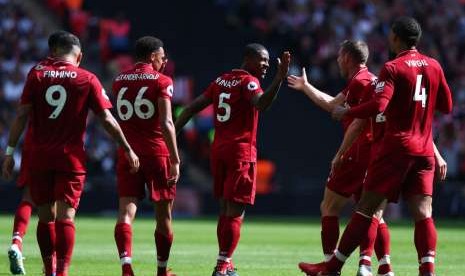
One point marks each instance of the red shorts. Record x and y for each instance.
(153, 174)
(24, 169)
(49, 186)
(347, 180)
(234, 180)
(393, 173)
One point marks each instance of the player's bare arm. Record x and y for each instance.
(353, 132)
(263, 101)
(169, 134)
(200, 103)
(113, 128)
(320, 98)
(441, 164)
(16, 130)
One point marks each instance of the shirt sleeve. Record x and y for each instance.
(251, 87)
(31, 83)
(166, 88)
(444, 97)
(98, 98)
(384, 90)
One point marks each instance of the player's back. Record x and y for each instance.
(137, 92)
(418, 81)
(61, 94)
(235, 116)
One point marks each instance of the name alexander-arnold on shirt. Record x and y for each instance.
(136, 77)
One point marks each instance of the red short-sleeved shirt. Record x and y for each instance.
(236, 117)
(61, 94)
(137, 92)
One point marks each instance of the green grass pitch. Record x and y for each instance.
(268, 247)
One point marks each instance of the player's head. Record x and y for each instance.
(150, 49)
(256, 60)
(65, 45)
(405, 34)
(352, 54)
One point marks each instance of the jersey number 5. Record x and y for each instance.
(227, 108)
(138, 103)
(420, 92)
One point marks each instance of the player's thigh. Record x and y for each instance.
(42, 187)
(348, 179)
(420, 178)
(156, 174)
(239, 184)
(218, 171)
(332, 203)
(386, 173)
(24, 170)
(69, 187)
(130, 185)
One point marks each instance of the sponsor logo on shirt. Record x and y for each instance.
(169, 90)
(252, 85)
(379, 87)
(104, 94)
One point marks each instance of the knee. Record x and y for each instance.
(422, 212)
(328, 208)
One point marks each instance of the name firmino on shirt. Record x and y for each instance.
(60, 74)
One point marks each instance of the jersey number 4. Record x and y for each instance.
(420, 92)
(137, 107)
(224, 105)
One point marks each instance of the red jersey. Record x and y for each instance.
(236, 117)
(355, 92)
(61, 94)
(137, 92)
(409, 89)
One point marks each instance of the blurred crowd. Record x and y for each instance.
(315, 28)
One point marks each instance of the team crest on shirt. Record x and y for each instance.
(104, 94)
(379, 87)
(252, 85)
(169, 90)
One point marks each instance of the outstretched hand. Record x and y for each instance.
(298, 83)
(283, 65)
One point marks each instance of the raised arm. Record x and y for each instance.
(323, 100)
(353, 132)
(189, 111)
(169, 134)
(263, 101)
(112, 127)
(16, 130)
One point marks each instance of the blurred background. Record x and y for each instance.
(296, 139)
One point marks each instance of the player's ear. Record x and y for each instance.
(79, 58)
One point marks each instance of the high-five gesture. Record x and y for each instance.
(298, 83)
(283, 65)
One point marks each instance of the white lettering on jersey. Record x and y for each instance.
(227, 83)
(60, 74)
(416, 63)
(136, 77)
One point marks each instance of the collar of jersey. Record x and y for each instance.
(403, 53)
(241, 71)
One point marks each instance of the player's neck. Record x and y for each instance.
(354, 70)
(65, 58)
